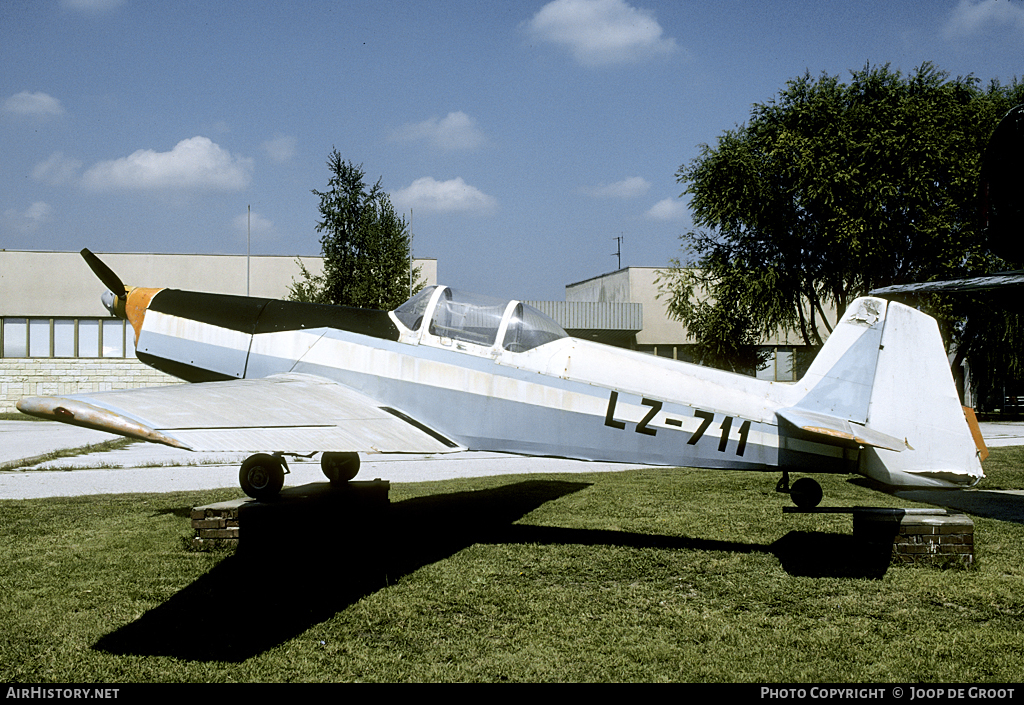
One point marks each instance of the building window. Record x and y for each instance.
(88, 338)
(39, 337)
(65, 338)
(781, 365)
(682, 353)
(112, 336)
(15, 332)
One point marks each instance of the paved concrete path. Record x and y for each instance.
(147, 467)
(1002, 433)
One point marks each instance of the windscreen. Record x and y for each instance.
(411, 312)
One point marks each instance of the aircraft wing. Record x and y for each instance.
(993, 281)
(293, 413)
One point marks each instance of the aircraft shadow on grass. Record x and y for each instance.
(279, 584)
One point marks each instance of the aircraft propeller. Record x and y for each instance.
(109, 279)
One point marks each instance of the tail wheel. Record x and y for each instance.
(806, 493)
(340, 467)
(261, 476)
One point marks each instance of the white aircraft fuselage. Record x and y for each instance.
(460, 372)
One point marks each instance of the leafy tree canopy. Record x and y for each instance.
(831, 190)
(365, 246)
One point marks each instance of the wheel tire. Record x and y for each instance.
(340, 467)
(261, 476)
(806, 493)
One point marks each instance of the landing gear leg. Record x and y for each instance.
(262, 476)
(783, 484)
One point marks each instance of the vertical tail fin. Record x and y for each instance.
(842, 374)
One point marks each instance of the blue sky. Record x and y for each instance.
(522, 137)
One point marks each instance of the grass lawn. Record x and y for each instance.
(649, 575)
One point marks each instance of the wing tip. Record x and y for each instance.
(79, 413)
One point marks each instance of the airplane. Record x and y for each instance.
(450, 371)
(1003, 281)
(1001, 200)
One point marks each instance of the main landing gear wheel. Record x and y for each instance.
(806, 493)
(261, 476)
(339, 467)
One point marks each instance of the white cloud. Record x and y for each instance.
(454, 131)
(972, 17)
(29, 220)
(57, 170)
(26, 103)
(601, 32)
(280, 149)
(627, 188)
(195, 163)
(452, 196)
(667, 209)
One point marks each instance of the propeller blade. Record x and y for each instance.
(104, 273)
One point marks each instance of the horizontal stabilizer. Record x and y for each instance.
(838, 431)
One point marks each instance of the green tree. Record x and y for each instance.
(364, 243)
(829, 191)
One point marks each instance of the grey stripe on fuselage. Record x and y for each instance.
(225, 360)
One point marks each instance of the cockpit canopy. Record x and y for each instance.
(470, 318)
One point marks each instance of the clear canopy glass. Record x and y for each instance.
(529, 328)
(476, 319)
(411, 312)
(470, 318)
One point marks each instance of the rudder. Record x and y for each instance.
(914, 397)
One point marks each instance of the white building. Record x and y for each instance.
(660, 335)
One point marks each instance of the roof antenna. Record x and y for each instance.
(618, 250)
(248, 244)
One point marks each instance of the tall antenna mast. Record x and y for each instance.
(618, 250)
(248, 244)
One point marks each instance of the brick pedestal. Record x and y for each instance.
(923, 536)
(934, 537)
